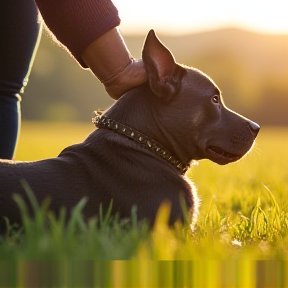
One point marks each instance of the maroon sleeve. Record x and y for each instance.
(77, 23)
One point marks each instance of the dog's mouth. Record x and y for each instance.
(220, 156)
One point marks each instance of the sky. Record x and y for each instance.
(189, 16)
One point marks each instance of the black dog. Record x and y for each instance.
(142, 149)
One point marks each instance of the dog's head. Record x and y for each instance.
(193, 111)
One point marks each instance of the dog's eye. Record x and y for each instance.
(215, 99)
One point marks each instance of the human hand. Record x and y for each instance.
(111, 62)
(134, 74)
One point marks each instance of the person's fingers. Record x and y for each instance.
(133, 75)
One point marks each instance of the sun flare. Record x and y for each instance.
(192, 16)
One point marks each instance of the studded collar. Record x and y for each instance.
(101, 121)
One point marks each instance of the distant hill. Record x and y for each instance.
(259, 51)
(251, 69)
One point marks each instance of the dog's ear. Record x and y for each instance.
(163, 72)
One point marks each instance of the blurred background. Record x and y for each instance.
(241, 45)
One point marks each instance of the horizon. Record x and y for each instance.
(191, 33)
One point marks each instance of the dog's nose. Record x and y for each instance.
(254, 128)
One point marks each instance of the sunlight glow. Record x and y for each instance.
(187, 16)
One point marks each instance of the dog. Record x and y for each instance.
(141, 150)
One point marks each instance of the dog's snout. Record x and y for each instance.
(254, 128)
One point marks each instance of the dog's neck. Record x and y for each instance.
(140, 109)
(157, 149)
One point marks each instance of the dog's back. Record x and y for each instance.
(105, 167)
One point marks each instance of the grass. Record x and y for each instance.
(243, 221)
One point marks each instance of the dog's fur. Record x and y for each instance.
(179, 107)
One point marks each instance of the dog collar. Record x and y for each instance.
(101, 121)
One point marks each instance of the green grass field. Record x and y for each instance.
(243, 221)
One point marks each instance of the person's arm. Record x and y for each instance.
(88, 29)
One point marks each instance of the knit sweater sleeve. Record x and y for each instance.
(77, 23)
